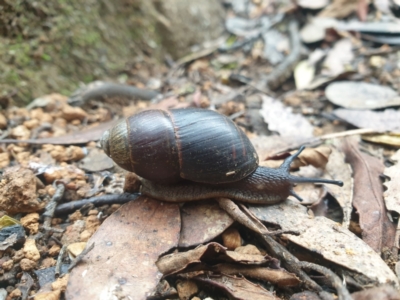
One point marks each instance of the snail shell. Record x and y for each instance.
(194, 144)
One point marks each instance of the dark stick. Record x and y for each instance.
(78, 259)
(51, 206)
(342, 292)
(69, 207)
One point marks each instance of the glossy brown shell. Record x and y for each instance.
(194, 144)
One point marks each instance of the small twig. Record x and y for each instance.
(51, 206)
(78, 259)
(348, 133)
(342, 292)
(291, 262)
(243, 217)
(59, 260)
(69, 207)
(284, 70)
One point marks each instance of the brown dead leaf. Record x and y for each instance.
(327, 238)
(278, 277)
(282, 120)
(201, 222)
(387, 120)
(176, 262)
(237, 288)
(377, 230)
(390, 138)
(128, 244)
(317, 157)
(212, 252)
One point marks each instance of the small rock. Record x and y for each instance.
(18, 191)
(30, 250)
(4, 160)
(27, 264)
(46, 276)
(18, 255)
(7, 265)
(53, 295)
(15, 294)
(70, 113)
(60, 283)
(47, 263)
(54, 250)
(72, 232)
(31, 222)
(3, 294)
(20, 132)
(76, 248)
(11, 235)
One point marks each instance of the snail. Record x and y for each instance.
(193, 154)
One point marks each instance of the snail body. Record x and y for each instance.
(194, 154)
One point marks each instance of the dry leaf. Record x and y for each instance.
(377, 230)
(282, 120)
(127, 244)
(339, 170)
(361, 95)
(339, 58)
(390, 139)
(237, 288)
(392, 193)
(278, 277)
(313, 4)
(303, 74)
(201, 222)
(387, 120)
(330, 240)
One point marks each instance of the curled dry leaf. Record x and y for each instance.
(237, 288)
(331, 241)
(377, 230)
(176, 262)
(201, 222)
(278, 277)
(390, 139)
(317, 157)
(129, 242)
